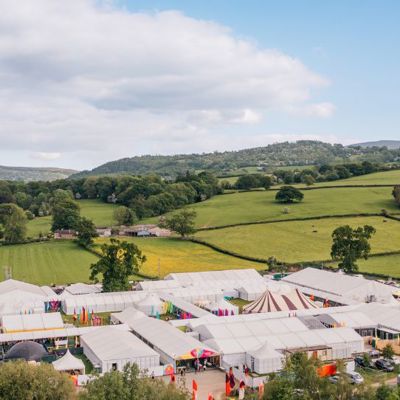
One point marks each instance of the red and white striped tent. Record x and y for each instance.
(275, 301)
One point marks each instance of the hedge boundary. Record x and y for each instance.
(328, 216)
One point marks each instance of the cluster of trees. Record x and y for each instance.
(396, 194)
(300, 380)
(20, 380)
(12, 223)
(326, 173)
(145, 196)
(252, 181)
(289, 194)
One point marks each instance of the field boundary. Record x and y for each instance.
(328, 216)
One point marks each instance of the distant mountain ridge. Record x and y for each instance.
(34, 174)
(390, 144)
(303, 152)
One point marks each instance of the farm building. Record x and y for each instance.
(110, 348)
(145, 230)
(339, 288)
(65, 234)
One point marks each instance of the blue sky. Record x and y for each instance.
(105, 79)
(354, 43)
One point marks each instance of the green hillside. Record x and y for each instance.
(261, 205)
(298, 241)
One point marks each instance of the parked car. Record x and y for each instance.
(384, 365)
(355, 378)
(361, 362)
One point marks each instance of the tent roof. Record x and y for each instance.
(272, 302)
(265, 352)
(109, 343)
(11, 285)
(151, 299)
(185, 305)
(129, 315)
(29, 351)
(168, 339)
(339, 287)
(82, 288)
(31, 322)
(68, 363)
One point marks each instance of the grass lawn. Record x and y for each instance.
(57, 262)
(38, 225)
(260, 206)
(239, 303)
(181, 256)
(389, 265)
(100, 213)
(296, 241)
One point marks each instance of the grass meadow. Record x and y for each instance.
(100, 213)
(45, 263)
(176, 255)
(298, 241)
(261, 205)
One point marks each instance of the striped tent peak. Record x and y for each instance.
(292, 300)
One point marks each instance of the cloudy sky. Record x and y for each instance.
(83, 82)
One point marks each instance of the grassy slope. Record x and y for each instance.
(301, 240)
(389, 265)
(181, 256)
(46, 263)
(377, 178)
(260, 206)
(100, 213)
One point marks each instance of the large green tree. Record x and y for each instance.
(66, 212)
(288, 194)
(22, 381)
(86, 232)
(124, 216)
(182, 222)
(350, 244)
(12, 223)
(128, 385)
(119, 260)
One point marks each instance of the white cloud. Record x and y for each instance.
(46, 156)
(78, 77)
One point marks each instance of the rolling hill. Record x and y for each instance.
(304, 152)
(33, 174)
(390, 144)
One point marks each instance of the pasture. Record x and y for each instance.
(176, 255)
(57, 262)
(261, 205)
(298, 241)
(100, 213)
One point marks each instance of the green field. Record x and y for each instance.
(388, 265)
(261, 206)
(176, 255)
(297, 241)
(57, 262)
(100, 213)
(377, 178)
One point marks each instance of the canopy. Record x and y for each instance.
(29, 351)
(69, 363)
(264, 359)
(272, 302)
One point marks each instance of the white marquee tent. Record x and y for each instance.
(151, 305)
(31, 322)
(110, 348)
(69, 363)
(264, 359)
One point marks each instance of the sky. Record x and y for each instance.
(83, 82)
